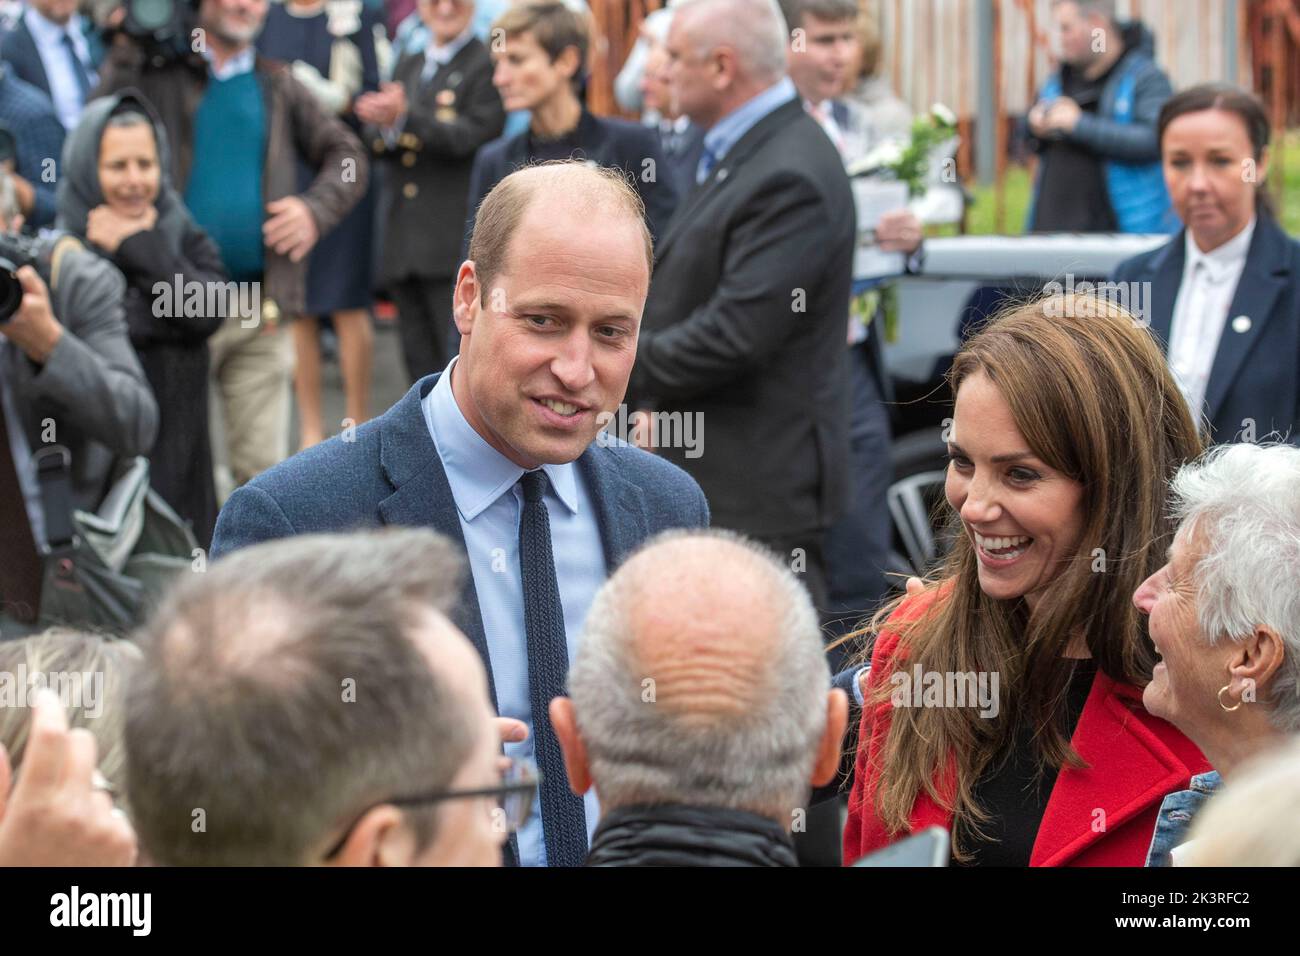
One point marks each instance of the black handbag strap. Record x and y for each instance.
(54, 474)
(21, 562)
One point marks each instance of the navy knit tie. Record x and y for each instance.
(564, 817)
(78, 68)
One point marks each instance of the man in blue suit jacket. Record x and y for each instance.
(55, 50)
(1254, 385)
(504, 454)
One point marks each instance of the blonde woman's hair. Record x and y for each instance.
(1253, 821)
(69, 656)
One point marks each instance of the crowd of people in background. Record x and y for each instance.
(597, 647)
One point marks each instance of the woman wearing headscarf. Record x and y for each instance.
(117, 196)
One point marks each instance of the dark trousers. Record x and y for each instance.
(804, 555)
(424, 320)
(858, 545)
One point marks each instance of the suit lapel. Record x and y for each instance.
(620, 505)
(754, 137)
(408, 72)
(1262, 281)
(28, 41)
(1129, 769)
(422, 498)
(1166, 276)
(451, 74)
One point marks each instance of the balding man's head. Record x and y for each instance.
(706, 615)
(570, 189)
(549, 308)
(722, 53)
(701, 680)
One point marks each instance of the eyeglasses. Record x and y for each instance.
(513, 796)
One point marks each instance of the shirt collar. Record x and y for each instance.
(238, 64)
(442, 55)
(1219, 263)
(477, 473)
(726, 132)
(46, 31)
(679, 125)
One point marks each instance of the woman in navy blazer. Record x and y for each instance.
(1214, 147)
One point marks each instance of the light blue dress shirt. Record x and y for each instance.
(485, 485)
(239, 64)
(65, 91)
(726, 132)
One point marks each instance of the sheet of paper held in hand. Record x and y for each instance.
(874, 198)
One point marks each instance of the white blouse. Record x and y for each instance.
(1201, 311)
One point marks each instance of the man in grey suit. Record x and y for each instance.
(503, 452)
(69, 377)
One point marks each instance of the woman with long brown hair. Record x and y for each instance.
(1004, 700)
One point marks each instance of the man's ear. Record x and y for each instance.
(830, 749)
(1256, 662)
(724, 68)
(569, 61)
(465, 301)
(380, 838)
(575, 751)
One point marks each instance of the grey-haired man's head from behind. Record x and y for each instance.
(292, 689)
(701, 680)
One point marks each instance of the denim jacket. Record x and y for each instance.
(1176, 813)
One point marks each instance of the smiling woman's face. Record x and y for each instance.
(129, 175)
(1190, 669)
(1023, 518)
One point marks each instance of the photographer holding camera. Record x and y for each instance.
(239, 126)
(68, 376)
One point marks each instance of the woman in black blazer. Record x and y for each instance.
(1221, 296)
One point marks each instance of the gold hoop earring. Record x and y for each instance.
(1221, 704)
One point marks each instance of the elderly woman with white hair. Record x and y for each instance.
(1225, 617)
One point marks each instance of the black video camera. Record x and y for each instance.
(161, 27)
(16, 251)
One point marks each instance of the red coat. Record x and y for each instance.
(1133, 759)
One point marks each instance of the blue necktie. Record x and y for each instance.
(564, 817)
(707, 161)
(78, 68)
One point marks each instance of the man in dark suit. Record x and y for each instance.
(504, 454)
(55, 50)
(440, 108)
(745, 324)
(545, 47)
